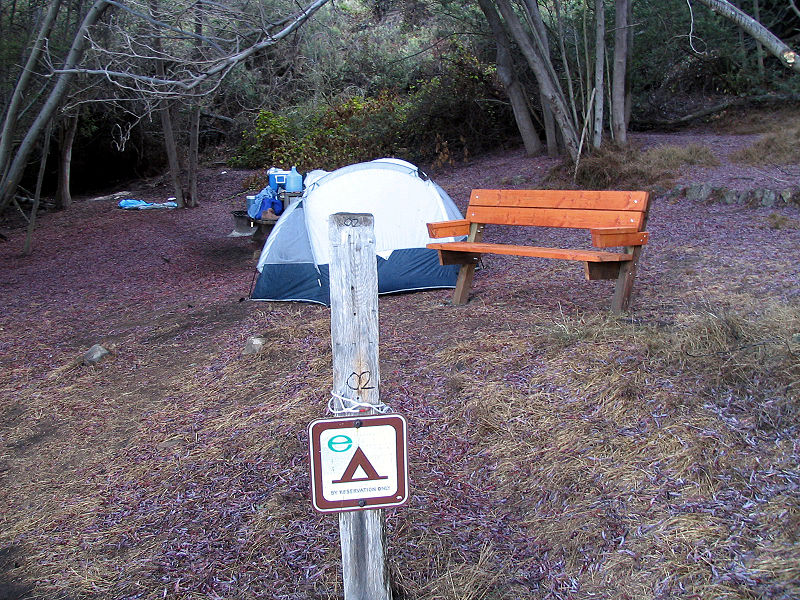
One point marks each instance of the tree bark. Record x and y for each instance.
(515, 91)
(37, 196)
(540, 40)
(171, 148)
(599, 60)
(759, 47)
(12, 112)
(771, 42)
(194, 120)
(629, 69)
(13, 176)
(63, 194)
(194, 156)
(618, 76)
(164, 106)
(565, 61)
(544, 72)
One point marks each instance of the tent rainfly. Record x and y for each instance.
(294, 262)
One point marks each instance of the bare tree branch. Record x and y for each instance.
(771, 42)
(191, 74)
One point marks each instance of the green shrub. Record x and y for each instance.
(458, 112)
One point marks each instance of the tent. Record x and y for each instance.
(294, 262)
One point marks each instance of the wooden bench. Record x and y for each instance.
(614, 218)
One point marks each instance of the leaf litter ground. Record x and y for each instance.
(556, 451)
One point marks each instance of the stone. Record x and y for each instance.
(94, 355)
(716, 194)
(789, 196)
(768, 198)
(753, 197)
(254, 345)
(733, 197)
(699, 192)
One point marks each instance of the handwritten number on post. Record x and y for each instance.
(360, 381)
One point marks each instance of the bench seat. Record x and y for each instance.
(534, 251)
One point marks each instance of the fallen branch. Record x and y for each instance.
(716, 108)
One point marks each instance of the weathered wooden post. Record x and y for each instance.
(354, 337)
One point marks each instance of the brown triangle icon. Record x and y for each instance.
(359, 460)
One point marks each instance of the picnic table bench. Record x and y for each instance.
(614, 219)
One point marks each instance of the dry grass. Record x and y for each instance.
(751, 121)
(634, 452)
(579, 455)
(674, 157)
(627, 168)
(779, 221)
(779, 147)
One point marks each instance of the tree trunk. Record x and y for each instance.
(12, 112)
(599, 60)
(194, 156)
(63, 194)
(759, 47)
(772, 43)
(542, 43)
(629, 69)
(13, 176)
(505, 70)
(171, 148)
(194, 120)
(565, 61)
(542, 68)
(37, 196)
(164, 106)
(550, 135)
(618, 76)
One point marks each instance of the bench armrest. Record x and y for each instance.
(442, 229)
(611, 237)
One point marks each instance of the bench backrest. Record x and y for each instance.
(580, 209)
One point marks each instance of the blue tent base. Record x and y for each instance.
(405, 270)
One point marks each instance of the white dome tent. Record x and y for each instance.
(294, 262)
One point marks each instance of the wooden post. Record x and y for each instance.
(354, 338)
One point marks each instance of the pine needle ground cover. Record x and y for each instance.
(555, 451)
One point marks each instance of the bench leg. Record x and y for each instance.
(463, 284)
(627, 275)
(467, 271)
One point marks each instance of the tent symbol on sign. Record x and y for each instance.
(361, 461)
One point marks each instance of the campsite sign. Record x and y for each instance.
(358, 463)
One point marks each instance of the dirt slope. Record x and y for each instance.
(556, 452)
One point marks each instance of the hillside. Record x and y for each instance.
(556, 451)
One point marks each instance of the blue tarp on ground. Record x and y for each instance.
(131, 204)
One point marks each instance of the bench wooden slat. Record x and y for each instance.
(442, 229)
(612, 240)
(613, 230)
(566, 199)
(555, 217)
(508, 249)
